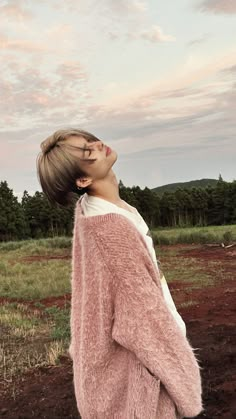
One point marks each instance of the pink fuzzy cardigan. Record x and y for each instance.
(130, 358)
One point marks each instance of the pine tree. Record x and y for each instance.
(12, 222)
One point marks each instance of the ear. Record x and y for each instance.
(83, 182)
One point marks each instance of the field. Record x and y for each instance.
(201, 235)
(35, 369)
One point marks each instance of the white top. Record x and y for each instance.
(92, 205)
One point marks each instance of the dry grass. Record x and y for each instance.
(27, 339)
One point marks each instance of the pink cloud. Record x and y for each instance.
(71, 70)
(21, 45)
(230, 70)
(59, 31)
(32, 94)
(218, 6)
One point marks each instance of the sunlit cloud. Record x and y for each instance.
(59, 31)
(71, 71)
(167, 118)
(155, 34)
(21, 45)
(17, 10)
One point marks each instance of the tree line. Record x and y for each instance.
(35, 217)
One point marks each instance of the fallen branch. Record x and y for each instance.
(220, 245)
(229, 245)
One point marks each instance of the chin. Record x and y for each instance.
(114, 155)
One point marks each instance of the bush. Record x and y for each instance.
(228, 237)
(160, 239)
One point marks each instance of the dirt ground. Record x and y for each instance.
(47, 392)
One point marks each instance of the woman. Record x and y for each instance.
(131, 357)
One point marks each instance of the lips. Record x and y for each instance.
(108, 151)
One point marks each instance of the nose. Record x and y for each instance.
(99, 144)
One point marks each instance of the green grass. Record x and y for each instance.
(201, 235)
(35, 335)
(195, 272)
(185, 270)
(35, 280)
(60, 318)
(36, 246)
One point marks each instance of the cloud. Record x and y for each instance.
(218, 6)
(112, 35)
(203, 39)
(16, 9)
(58, 31)
(159, 126)
(114, 19)
(31, 96)
(155, 34)
(127, 6)
(48, 100)
(111, 18)
(71, 71)
(170, 117)
(137, 21)
(21, 45)
(56, 39)
(230, 70)
(121, 7)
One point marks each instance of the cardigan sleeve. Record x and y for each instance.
(144, 325)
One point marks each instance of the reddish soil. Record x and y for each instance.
(60, 302)
(37, 258)
(48, 392)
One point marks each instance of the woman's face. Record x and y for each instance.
(96, 159)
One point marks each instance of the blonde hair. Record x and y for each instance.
(58, 168)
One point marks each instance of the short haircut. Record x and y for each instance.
(58, 168)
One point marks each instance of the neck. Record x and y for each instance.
(107, 188)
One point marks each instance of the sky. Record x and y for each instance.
(155, 80)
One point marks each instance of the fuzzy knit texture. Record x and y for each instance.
(93, 205)
(130, 358)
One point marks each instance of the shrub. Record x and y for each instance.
(227, 237)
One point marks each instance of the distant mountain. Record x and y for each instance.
(171, 187)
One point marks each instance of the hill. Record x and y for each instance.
(171, 187)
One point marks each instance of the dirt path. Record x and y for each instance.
(211, 328)
(48, 392)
